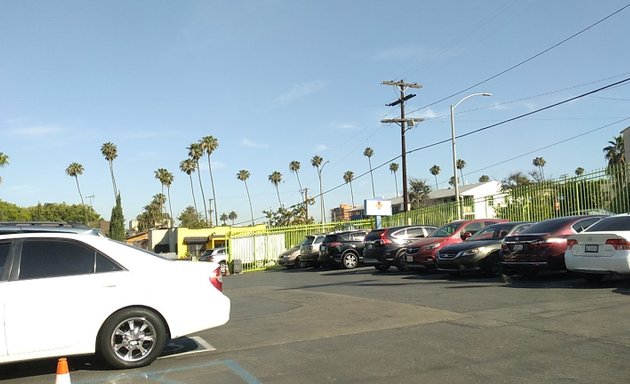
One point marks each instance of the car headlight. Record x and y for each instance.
(431, 246)
(474, 251)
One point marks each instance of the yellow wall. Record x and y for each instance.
(217, 236)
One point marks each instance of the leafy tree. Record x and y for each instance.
(224, 218)
(117, 222)
(460, 164)
(294, 167)
(75, 213)
(484, 178)
(4, 160)
(166, 179)
(209, 144)
(369, 152)
(515, 180)
(74, 170)
(188, 166)
(435, 171)
(347, 178)
(243, 175)
(579, 171)
(232, 216)
(110, 152)
(189, 218)
(293, 215)
(418, 193)
(195, 152)
(393, 168)
(451, 181)
(152, 216)
(614, 152)
(539, 163)
(276, 178)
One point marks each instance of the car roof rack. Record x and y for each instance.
(7, 227)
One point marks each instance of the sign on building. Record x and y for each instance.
(378, 208)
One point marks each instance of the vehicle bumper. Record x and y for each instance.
(616, 264)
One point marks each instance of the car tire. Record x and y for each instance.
(490, 265)
(382, 267)
(401, 261)
(131, 338)
(350, 260)
(300, 263)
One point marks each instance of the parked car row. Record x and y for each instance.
(592, 245)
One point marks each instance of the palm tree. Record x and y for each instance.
(209, 144)
(189, 166)
(460, 164)
(4, 160)
(435, 171)
(348, 176)
(316, 162)
(74, 170)
(243, 175)
(579, 171)
(484, 178)
(232, 216)
(540, 162)
(294, 167)
(166, 179)
(276, 179)
(224, 218)
(393, 168)
(369, 152)
(614, 153)
(195, 152)
(110, 152)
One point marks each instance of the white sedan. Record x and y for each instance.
(68, 294)
(602, 249)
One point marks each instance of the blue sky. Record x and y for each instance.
(278, 80)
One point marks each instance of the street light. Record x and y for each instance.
(459, 207)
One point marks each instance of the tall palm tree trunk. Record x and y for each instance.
(351, 194)
(203, 196)
(251, 209)
(111, 171)
(372, 177)
(192, 189)
(214, 194)
(396, 181)
(170, 206)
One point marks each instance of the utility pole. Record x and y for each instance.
(403, 121)
(305, 190)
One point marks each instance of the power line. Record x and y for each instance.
(528, 59)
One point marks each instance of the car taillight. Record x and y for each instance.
(571, 243)
(216, 279)
(619, 244)
(385, 240)
(334, 244)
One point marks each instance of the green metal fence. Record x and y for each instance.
(601, 191)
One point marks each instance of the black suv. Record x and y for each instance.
(385, 247)
(342, 248)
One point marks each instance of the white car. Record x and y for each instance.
(602, 249)
(67, 294)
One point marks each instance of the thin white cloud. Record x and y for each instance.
(321, 147)
(252, 144)
(427, 114)
(299, 91)
(36, 131)
(346, 126)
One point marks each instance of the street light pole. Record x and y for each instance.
(456, 184)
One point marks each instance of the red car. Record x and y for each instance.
(423, 253)
(542, 246)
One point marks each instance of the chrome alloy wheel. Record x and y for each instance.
(133, 339)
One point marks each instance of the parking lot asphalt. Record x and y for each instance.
(364, 326)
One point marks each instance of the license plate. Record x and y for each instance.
(591, 248)
(518, 247)
(410, 259)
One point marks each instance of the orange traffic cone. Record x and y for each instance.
(63, 375)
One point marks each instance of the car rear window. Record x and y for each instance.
(549, 226)
(374, 235)
(617, 223)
